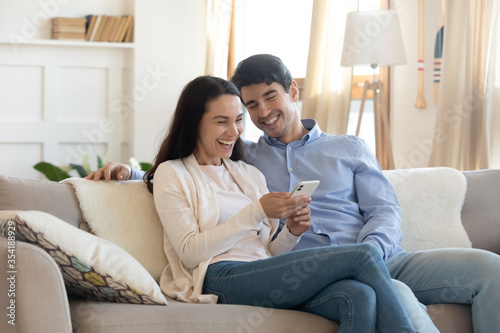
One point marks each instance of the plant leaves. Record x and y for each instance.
(85, 163)
(134, 163)
(51, 171)
(105, 159)
(81, 171)
(145, 166)
(101, 161)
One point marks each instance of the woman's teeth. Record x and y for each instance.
(226, 143)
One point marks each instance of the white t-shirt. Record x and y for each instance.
(231, 200)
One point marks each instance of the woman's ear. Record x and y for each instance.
(294, 91)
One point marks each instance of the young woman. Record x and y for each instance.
(220, 224)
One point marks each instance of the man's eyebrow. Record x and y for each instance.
(264, 95)
(269, 92)
(249, 102)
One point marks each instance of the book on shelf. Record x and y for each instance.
(103, 28)
(92, 30)
(68, 28)
(97, 28)
(100, 29)
(89, 25)
(130, 28)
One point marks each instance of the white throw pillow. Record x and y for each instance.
(92, 267)
(125, 214)
(431, 202)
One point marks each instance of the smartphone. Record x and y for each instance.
(305, 187)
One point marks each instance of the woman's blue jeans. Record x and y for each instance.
(304, 280)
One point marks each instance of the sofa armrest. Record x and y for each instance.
(41, 302)
(481, 211)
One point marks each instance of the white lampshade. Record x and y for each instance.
(373, 38)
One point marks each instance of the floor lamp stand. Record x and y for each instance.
(382, 129)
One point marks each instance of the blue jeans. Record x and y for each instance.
(469, 276)
(304, 280)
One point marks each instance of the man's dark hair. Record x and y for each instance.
(262, 68)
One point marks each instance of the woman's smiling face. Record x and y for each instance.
(220, 127)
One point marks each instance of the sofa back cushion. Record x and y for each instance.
(57, 199)
(125, 214)
(431, 200)
(481, 210)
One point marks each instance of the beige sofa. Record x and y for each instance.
(42, 304)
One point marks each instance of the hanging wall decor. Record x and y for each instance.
(438, 53)
(420, 103)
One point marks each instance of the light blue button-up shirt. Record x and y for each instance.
(354, 202)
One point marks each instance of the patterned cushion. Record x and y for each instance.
(92, 268)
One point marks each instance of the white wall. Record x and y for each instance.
(412, 128)
(170, 42)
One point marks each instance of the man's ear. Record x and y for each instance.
(294, 91)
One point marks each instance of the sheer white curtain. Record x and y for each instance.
(218, 32)
(467, 120)
(494, 90)
(327, 87)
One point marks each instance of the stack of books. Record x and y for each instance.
(68, 28)
(116, 29)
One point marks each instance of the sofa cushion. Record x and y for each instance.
(481, 210)
(455, 318)
(193, 318)
(92, 267)
(57, 199)
(431, 201)
(124, 213)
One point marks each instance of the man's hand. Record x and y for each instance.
(299, 222)
(111, 171)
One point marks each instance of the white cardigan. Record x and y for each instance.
(188, 209)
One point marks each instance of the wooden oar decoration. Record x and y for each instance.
(438, 53)
(420, 103)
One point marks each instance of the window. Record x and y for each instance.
(283, 29)
(276, 27)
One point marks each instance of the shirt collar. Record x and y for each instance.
(313, 134)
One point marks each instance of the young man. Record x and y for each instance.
(354, 202)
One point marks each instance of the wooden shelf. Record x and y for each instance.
(71, 43)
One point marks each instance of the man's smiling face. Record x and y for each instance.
(273, 110)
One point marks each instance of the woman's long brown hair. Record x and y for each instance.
(182, 136)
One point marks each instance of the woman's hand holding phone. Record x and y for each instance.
(279, 205)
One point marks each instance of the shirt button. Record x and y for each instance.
(319, 231)
(289, 148)
(290, 169)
